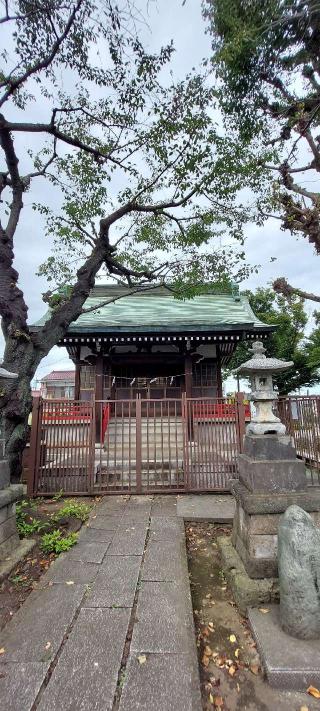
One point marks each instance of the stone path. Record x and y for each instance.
(110, 628)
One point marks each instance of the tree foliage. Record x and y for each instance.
(139, 181)
(288, 342)
(267, 56)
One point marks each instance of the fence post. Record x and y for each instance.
(33, 446)
(138, 445)
(240, 419)
(184, 413)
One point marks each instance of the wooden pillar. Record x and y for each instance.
(77, 382)
(219, 374)
(188, 374)
(98, 395)
(188, 389)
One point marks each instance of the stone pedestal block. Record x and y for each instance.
(9, 539)
(256, 521)
(4, 474)
(269, 464)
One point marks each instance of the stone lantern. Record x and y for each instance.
(260, 370)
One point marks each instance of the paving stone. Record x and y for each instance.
(207, 507)
(116, 582)
(20, 684)
(44, 617)
(89, 535)
(85, 677)
(128, 542)
(289, 663)
(164, 506)
(163, 683)
(164, 528)
(105, 522)
(163, 624)
(65, 569)
(89, 552)
(163, 562)
(112, 503)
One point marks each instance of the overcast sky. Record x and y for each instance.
(295, 259)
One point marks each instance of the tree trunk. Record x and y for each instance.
(23, 358)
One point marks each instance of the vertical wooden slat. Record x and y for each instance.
(138, 445)
(33, 446)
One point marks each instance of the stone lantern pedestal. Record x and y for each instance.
(271, 478)
(11, 548)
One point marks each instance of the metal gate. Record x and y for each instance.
(138, 446)
(61, 447)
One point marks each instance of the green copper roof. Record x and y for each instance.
(158, 310)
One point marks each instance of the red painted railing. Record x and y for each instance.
(105, 421)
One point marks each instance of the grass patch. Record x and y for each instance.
(74, 509)
(56, 542)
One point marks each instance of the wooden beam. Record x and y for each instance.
(99, 394)
(219, 374)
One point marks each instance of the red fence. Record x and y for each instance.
(145, 446)
(142, 445)
(301, 416)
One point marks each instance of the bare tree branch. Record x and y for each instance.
(281, 286)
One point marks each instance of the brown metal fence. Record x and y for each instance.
(301, 416)
(61, 447)
(140, 445)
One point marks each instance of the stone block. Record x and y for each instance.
(128, 542)
(163, 683)
(65, 569)
(264, 503)
(7, 511)
(163, 619)
(4, 474)
(166, 528)
(272, 476)
(163, 562)
(89, 552)
(263, 546)
(289, 663)
(247, 592)
(8, 546)
(86, 674)
(11, 493)
(44, 617)
(116, 582)
(268, 447)
(8, 528)
(20, 684)
(256, 567)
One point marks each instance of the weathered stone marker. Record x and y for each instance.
(299, 574)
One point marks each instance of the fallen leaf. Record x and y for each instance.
(232, 670)
(205, 660)
(210, 624)
(264, 610)
(236, 653)
(69, 582)
(238, 688)
(207, 651)
(218, 702)
(313, 691)
(48, 645)
(304, 708)
(2, 650)
(233, 638)
(211, 699)
(254, 668)
(142, 658)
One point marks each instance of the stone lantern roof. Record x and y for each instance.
(259, 362)
(6, 374)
